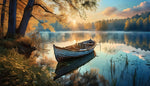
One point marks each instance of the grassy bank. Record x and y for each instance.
(16, 69)
(23, 45)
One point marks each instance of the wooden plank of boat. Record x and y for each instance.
(68, 66)
(74, 51)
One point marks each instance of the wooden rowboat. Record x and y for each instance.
(66, 67)
(74, 51)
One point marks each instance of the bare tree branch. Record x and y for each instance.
(43, 15)
(40, 21)
(37, 19)
(46, 10)
(75, 8)
(58, 17)
(43, 7)
(70, 3)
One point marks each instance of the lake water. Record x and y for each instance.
(122, 58)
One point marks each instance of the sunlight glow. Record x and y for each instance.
(74, 41)
(74, 22)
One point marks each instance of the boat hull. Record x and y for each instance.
(63, 54)
(63, 68)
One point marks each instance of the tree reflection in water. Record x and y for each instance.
(122, 58)
(89, 78)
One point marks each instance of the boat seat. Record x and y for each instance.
(80, 46)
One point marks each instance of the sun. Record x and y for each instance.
(74, 22)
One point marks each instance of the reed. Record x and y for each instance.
(126, 60)
(88, 78)
(134, 78)
(111, 66)
(114, 68)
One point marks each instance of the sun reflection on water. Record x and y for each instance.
(74, 41)
(115, 57)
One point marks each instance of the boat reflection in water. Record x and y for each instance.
(122, 58)
(70, 65)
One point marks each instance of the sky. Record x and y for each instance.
(116, 9)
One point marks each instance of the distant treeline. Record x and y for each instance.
(136, 23)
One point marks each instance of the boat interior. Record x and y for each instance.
(81, 46)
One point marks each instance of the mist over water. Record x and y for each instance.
(123, 58)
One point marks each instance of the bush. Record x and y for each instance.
(15, 70)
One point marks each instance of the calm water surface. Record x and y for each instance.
(123, 58)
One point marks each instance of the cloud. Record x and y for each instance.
(109, 11)
(128, 12)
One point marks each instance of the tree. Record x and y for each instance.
(149, 23)
(2, 17)
(65, 7)
(97, 25)
(26, 17)
(132, 24)
(12, 18)
(139, 23)
(127, 24)
(87, 25)
(145, 24)
(104, 25)
(149, 18)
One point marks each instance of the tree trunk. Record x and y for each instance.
(26, 17)
(12, 18)
(2, 18)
